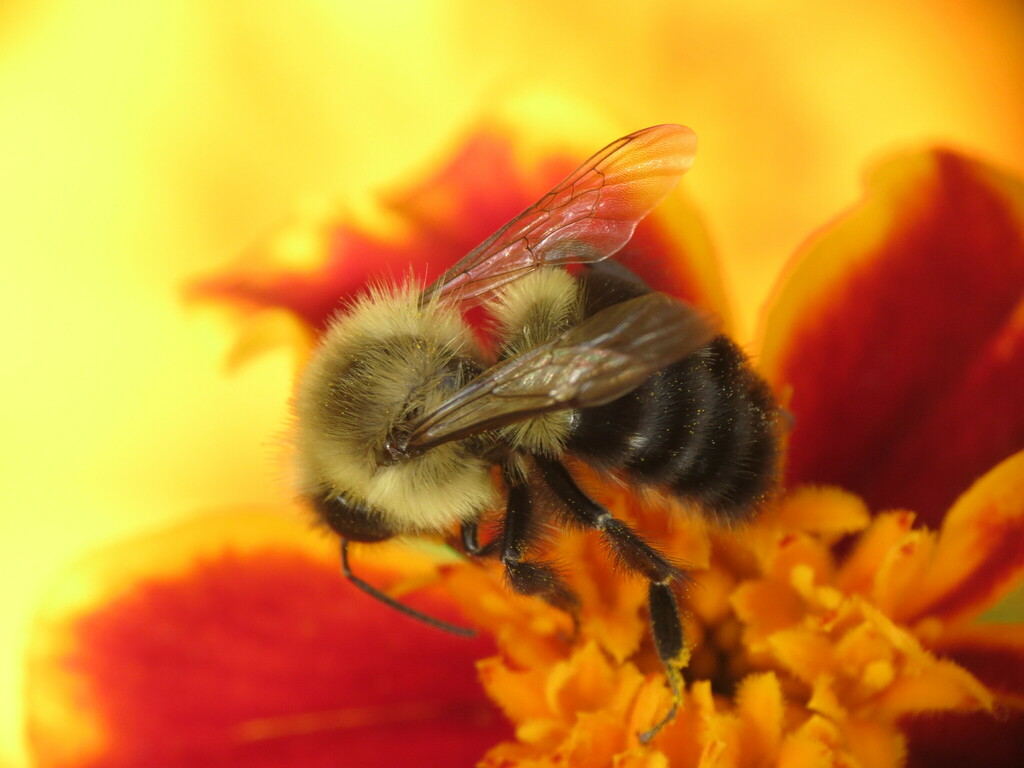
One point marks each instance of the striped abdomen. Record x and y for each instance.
(704, 428)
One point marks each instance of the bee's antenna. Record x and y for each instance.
(401, 607)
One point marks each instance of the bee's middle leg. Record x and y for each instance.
(526, 576)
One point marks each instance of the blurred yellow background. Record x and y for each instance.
(144, 143)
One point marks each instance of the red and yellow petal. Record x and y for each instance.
(236, 641)
(993, 653)
(979, 555)
(432, 223)
(899, 336)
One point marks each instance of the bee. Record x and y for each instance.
(402, 413)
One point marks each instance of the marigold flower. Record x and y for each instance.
(833, 629)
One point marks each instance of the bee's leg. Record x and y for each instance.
(529, 577)
(638, 556)
(389, 601)
(470, 534)
(470, 538)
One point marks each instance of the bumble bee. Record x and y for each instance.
(402, 413)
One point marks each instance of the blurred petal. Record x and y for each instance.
(993, 653)
(875, 745)
(951, 740)
(761, 710)
(979, 555)
(428, 225)
(859, 570)
(237, 642)
(900, 335)
(815, 743)
(805, 510)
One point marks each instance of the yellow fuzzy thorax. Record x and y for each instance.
(379, 365)
(531, 311)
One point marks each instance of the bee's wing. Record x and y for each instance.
(608, 355)
(589, 216)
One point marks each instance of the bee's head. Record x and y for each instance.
(396, 449)
(351, 520)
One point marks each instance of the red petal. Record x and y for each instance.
(482, 186)
(959, 740)
(993, 653)
(449, 214)
(268, 658)
(901, 336)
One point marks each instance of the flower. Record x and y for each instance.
(795, 653)
(819, 632)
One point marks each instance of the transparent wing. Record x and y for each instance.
(589, 216)
(605, 357)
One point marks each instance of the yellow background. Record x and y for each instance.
(142, 143)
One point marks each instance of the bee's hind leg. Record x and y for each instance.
(636, 555)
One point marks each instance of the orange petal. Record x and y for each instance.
(899, 333)
(899, 572)
(940, 685)
(584, 683)
(682, 741)
(612, 603)
(806, 654)
(642, 759)
(979, 556)
(817, 742)
(874, 744)
(234, 640)
(515, 691)
(760, 706)
(797, 551)
(596, 738)
(923, 682)
(530, 632)
(859, 570)
(767, 606)
(822, 510)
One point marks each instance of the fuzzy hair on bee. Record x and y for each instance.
(402, 415)
(380, 365)
(528, 313)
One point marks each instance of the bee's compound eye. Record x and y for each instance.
(350, 520)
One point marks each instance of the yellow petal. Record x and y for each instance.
(767, 606)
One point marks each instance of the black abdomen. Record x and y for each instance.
(704, 428)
